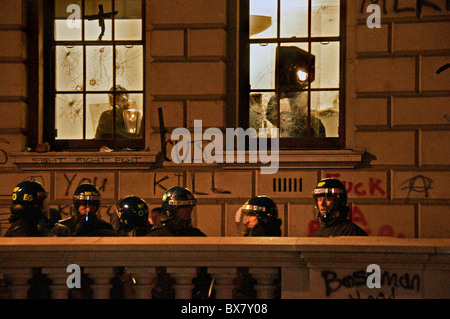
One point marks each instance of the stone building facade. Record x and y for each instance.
(395, 159)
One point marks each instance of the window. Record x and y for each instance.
(95, 74)
(292, 73)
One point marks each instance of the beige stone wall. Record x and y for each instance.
(397, 109)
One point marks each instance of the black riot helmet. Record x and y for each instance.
(336, 189)
(259, 217)
(176, 197)
(132, 212)
(263, 207)
(87, 195)
(28, 193)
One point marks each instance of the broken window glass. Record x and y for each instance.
(99, 80)
(294, 67)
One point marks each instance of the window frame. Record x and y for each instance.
(49, 124)
(310, 143)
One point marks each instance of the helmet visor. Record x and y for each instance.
(182, 202)
(327, 191)
(84, 197)
(246, 219)
(254, 208)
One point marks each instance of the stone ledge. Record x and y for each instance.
(84, 160)
(370, 244)
(288, 159)
(148, 160)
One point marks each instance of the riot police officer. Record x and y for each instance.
(177, 204)
(259, 217)
(330, 199)
(85, 222)
(133, 214)
(27, 209)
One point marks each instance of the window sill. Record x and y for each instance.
(297, 159)
(85, 160)
(147, 160)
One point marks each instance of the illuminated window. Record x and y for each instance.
(292, 75)
(97, 57)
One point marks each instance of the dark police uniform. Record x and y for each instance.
(339, 227)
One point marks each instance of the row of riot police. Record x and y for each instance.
(257, 217)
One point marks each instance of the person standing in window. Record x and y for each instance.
(105, 125)
(330, 199)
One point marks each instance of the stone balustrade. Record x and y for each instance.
(298, 267)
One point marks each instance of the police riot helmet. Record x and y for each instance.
(263, 207)
(28, 193)
(87, 195)
(176, 197)
(336, 189)
(259, 217)
(331, 187)
(132, 212)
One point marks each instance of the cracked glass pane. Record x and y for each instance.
(69, 116)
(262, 66)
(129, 70)
(294, 18)
(99, 68)
(325, 18)
(325, 107)
(327, 64)
(69, 68)
(262, 112)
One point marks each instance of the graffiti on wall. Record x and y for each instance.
(372, 187)
(87, 160)
(158, 183)
(72, 185)
(418, 184)
(3, 153)
(354, 282)
(398, 6)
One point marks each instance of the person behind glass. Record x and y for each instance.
(26, 209)
(259, 217)
(105, 123)
(177, 205)
(132, 212)
(85, 221)
(330, 199)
